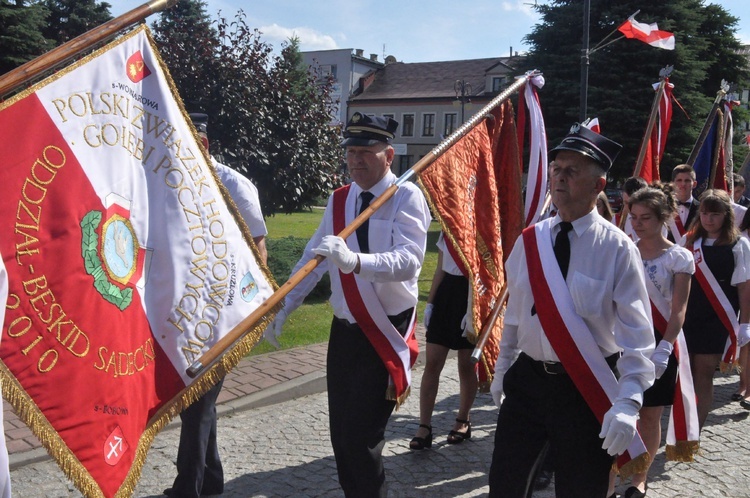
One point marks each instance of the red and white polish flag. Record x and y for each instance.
(647, 33)
(124, 261)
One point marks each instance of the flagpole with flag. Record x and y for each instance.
(65, 52)
(647, 141)
(225, 343)
(126, 259)
(703, 157)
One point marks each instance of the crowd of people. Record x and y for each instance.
(610, 319)
(604, 327)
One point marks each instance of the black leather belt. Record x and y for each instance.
(400, 321)
(557, 368)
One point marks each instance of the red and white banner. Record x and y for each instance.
(647, 33)
(536, 183)
(124, 261)
(658, 139)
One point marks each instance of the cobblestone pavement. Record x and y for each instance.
(283, 451)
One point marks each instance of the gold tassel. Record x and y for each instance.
(637, 465)
(683, 451)
(726, 368)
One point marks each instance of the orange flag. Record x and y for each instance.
(468, 198)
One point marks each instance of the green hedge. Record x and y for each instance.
(283, 254)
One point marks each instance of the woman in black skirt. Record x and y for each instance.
(727, 255)
(668, 268)
(446, 308)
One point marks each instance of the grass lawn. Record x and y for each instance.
(311, 322)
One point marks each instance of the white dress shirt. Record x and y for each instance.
(683, 211)
(606, 281)
(449, 265)
(397, 238)
(245, 196)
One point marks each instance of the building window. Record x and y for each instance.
(404, 164)
(498, 82)
(327, 71)
(450, 123)
(408, 127)
(392, 116)
(428, 125)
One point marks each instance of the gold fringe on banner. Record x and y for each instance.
(727, 368)
(637, 465)
(28, 411)
(390, 395)
(683, 451)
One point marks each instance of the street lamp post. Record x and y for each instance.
(463, 95)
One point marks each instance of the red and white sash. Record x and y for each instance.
(677, 228)
(397, 353)
(720, 304)
(571, 338)
(683, 433)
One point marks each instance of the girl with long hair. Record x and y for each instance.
(724, 258)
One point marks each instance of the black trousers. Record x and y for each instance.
(545, 409)
(199, 470)
(358, 411)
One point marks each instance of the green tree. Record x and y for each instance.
(70, 18)
(266, 117)
(621, 74)
(21, 39)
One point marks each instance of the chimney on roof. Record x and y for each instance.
(373, 57)
(511, 50)
(359, 52)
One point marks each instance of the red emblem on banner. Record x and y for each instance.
(115, 447)
(136, 68)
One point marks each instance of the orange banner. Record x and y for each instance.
(474, 190)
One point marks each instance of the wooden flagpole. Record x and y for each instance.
(707, 125)
(484, 335)
(21, 75)
(664, 74)
(226, 342)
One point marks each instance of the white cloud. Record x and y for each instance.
(310, 39)
(524, 6)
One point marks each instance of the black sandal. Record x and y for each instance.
(456, 437)
(420, 443)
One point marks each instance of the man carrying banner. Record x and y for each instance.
(578, 315)
(374, 294)
(199, 469)
(683, 181)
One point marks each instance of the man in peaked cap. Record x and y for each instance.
(373, 294)
(578, 314)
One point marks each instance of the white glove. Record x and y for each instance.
(743, 336)
(335, 249)
(619, 426)
(427, 314)
(273, 331)
(496, 388)
(660, 357)
(467, 322)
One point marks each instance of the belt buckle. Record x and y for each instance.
(551, 364)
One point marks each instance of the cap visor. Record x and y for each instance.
(583, 151)
(361, 142)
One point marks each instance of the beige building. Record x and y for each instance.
(429, 99)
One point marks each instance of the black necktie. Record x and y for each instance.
(562, 247)
(687, 204)
(364, 245)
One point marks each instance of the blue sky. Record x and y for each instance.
(411, 30)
